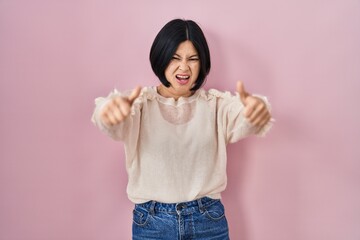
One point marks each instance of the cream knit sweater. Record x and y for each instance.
(176, 150)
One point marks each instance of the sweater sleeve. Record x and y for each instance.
(124, 130)
(232, 121)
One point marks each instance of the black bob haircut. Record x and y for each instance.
(166, 43)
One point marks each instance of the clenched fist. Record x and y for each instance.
(255, 109)
(118, 108)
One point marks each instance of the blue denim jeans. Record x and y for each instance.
(202, 219)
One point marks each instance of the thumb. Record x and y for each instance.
(241, 90)
(134, 94)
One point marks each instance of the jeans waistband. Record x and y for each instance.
(199, 204)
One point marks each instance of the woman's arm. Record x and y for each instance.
(255, 109)
(111, 114)
(243, 115)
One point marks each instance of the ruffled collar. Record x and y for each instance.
(151, 94)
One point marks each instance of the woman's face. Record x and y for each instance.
(182, 71)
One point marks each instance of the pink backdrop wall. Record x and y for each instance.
(61, 179)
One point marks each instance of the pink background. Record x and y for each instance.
(62, 179)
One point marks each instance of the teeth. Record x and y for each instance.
(182, 77)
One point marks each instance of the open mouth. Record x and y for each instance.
(182, 78)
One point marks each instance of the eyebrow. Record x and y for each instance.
(195, 55)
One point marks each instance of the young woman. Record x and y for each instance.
(175, 137)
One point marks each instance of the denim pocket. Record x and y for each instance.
(140, 216)
(215, 211)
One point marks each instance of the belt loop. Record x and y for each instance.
(152, 208)
(201, 207)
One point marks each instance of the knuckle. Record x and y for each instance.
(113, 102)
(103, 113)
(262, 105)
(118, 100)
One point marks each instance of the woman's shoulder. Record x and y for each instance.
(217, 94)
(148, 92)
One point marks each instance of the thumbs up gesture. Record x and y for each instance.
(118, 108)
(255, 108)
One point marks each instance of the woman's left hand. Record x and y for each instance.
(255, 108)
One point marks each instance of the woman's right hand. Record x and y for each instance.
(118, 108)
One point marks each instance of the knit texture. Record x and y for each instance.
(176, 149)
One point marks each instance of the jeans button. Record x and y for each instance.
(180, 207)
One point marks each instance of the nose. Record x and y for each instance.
(183, 65)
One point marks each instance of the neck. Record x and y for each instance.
(165, 92)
